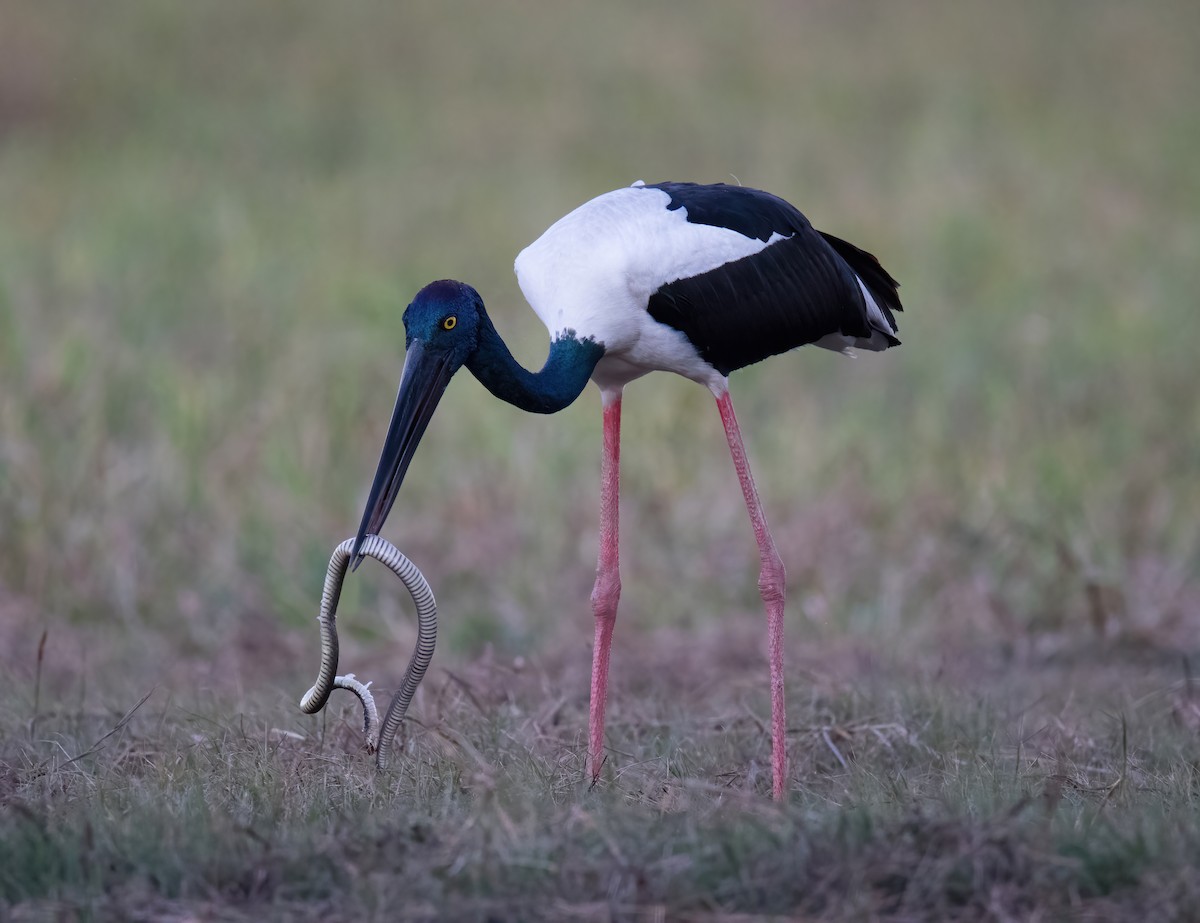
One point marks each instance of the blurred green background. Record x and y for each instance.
(212, 216)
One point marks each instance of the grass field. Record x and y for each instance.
(211, 217)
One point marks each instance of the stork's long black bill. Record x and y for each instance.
(422, 383)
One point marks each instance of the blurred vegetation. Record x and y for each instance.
(212, 215)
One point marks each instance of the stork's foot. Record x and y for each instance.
(605, 620)
(594, 768)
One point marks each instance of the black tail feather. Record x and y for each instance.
(878, 281)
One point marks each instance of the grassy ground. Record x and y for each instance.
(211, 219)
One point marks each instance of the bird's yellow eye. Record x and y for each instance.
(450, 322)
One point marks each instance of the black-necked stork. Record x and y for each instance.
(699, 280)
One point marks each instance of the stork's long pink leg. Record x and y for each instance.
(771, 584)
(607, 590)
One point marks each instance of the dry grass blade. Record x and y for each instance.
(120, 725)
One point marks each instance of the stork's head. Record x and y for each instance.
(444, 319)
(441, 333)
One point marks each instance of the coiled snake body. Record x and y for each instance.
(379, 735)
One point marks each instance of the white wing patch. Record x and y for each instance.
(876, 316)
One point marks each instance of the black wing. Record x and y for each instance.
(792, 292)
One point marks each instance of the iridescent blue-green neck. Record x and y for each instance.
(560, 381)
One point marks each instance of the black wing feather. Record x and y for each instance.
(878, 280)
(792, 292)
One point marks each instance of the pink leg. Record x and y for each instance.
(607, 590)
(771, 584)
